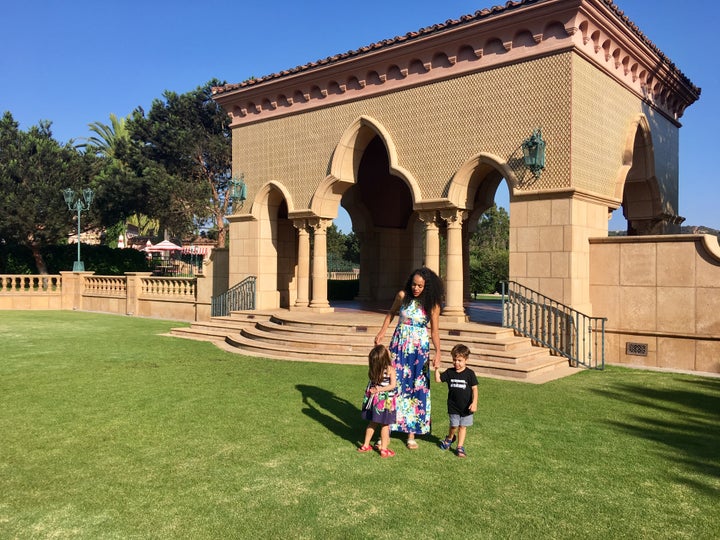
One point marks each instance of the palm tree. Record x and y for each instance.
(107, 137)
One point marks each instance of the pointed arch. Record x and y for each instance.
(326, 199)
(349, 152)
(636, 185)
(638, 126)
(470, 175)
(261, 199)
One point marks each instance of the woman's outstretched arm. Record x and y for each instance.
(389, 317)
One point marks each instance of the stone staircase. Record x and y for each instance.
(347, 337)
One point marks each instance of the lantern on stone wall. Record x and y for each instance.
(534, 153)
(238, 190)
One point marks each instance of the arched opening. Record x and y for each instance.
(377, 197)
(380, 207)
(482, 187)
(278, 243)
(642, 208)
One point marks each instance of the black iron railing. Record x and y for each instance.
(565, 331)
(239, 297)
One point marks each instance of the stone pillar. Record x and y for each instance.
(454, 279)
(303, 284)
(432, 241)
(133, 286)
(550, 248)
(319, 301)
(73, 287)
(467, 293)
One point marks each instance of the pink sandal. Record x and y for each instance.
(365, 448)
(386, 453)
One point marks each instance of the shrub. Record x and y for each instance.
(102, 260)
(343, 289)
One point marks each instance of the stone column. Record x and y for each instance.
(454, 278)
(303, 283)
(319, 301)
(432, 241)
(467, 293)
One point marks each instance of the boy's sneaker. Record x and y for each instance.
(446, 442)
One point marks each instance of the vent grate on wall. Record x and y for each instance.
(636, 349)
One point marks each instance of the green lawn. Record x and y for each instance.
(110, 429)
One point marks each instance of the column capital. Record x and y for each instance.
(319, 224)
(429, 217)
(300, 224)
(454, 216)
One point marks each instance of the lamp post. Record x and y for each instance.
(74, 203)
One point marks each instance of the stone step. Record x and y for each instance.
(328, 343)
(346, 337)
(542, 368)
(276, 350)
(308, 338)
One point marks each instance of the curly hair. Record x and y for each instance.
(432, 294)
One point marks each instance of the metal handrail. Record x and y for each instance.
(238, 297)
(562, 329)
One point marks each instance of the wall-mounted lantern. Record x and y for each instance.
(533, 149)
(238, 190)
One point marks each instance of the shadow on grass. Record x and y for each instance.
(337, 414)
(684, 421)
(340, 416)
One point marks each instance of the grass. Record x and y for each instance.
(110, 429)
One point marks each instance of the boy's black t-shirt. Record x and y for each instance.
(459, 390)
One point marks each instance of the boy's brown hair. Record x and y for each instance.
(460, 350)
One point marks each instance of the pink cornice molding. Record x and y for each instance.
(517, 32)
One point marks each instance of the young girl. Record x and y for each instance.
(379, 402)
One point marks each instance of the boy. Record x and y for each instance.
(462, 397)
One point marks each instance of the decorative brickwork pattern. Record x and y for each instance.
(603, 112)
(435, 129)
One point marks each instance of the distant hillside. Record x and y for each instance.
(695, 229)
(684, 229)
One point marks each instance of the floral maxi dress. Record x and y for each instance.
(410, 351)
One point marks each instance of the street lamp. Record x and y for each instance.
(74, 202)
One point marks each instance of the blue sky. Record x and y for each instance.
(75, 62)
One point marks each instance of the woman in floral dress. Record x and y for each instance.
(417, 306)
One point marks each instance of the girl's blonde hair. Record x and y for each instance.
(378, 361)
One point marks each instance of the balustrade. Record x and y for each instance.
(105, 285)
(26, 283)
(163, 286)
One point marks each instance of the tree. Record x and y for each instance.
(185, 156)
(335, 241)
(122, 194)
(34, 168)
(489, 251)
(108, 139)
(493, 229)
(352, 248)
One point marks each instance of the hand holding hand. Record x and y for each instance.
(436, 360)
